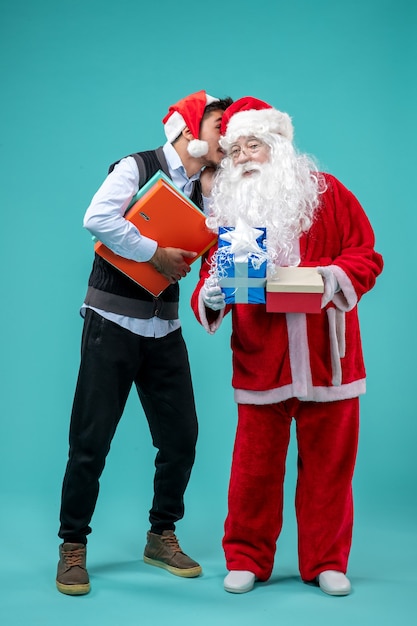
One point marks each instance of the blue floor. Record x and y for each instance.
(126, 592)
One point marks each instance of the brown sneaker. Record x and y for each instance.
(72, 576)
(164, 551)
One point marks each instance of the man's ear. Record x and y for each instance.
(187, 134)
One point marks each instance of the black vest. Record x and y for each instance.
(110, 290)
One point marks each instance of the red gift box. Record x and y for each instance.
(294, 290)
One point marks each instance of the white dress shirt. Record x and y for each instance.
(104, 219)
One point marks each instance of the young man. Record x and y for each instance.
(130, 337)
(303, 366)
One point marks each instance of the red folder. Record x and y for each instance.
(161, 212)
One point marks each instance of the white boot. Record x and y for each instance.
(334, 583)
(239, 581)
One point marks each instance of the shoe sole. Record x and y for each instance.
(191, 572)
(335, 592)
(239, 589)
(73, 590)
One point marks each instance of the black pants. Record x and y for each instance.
(112, 359)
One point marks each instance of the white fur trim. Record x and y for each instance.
(210, 99)
(202, 312)
(334, 347)
(341, 332)
(345, 299)
(299, 353)
(174, 125)
(197, 148)
(316, 394)
(257, 123)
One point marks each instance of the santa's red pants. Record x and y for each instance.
(327, 439)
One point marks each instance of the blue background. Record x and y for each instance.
(88, 81)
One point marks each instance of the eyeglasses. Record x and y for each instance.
(251, 147)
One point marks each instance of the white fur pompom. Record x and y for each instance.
(197, 148)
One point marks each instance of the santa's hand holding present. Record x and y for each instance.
(331, 286)
(212, 295)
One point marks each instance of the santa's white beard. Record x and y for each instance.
(280, 195)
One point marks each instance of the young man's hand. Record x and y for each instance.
(171, 263)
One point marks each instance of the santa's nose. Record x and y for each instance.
(242, 157)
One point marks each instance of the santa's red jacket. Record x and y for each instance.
(315, 357)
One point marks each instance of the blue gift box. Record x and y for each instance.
(241, 264)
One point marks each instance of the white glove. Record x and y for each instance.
(212, 295)
(331, 286)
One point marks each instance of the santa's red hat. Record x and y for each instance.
(188, 112)
(250, 116)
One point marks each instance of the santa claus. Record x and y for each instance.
(303, 367)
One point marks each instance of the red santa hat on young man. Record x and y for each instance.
(250, 116)
(188, 112)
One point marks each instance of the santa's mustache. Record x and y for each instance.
(242, 168)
